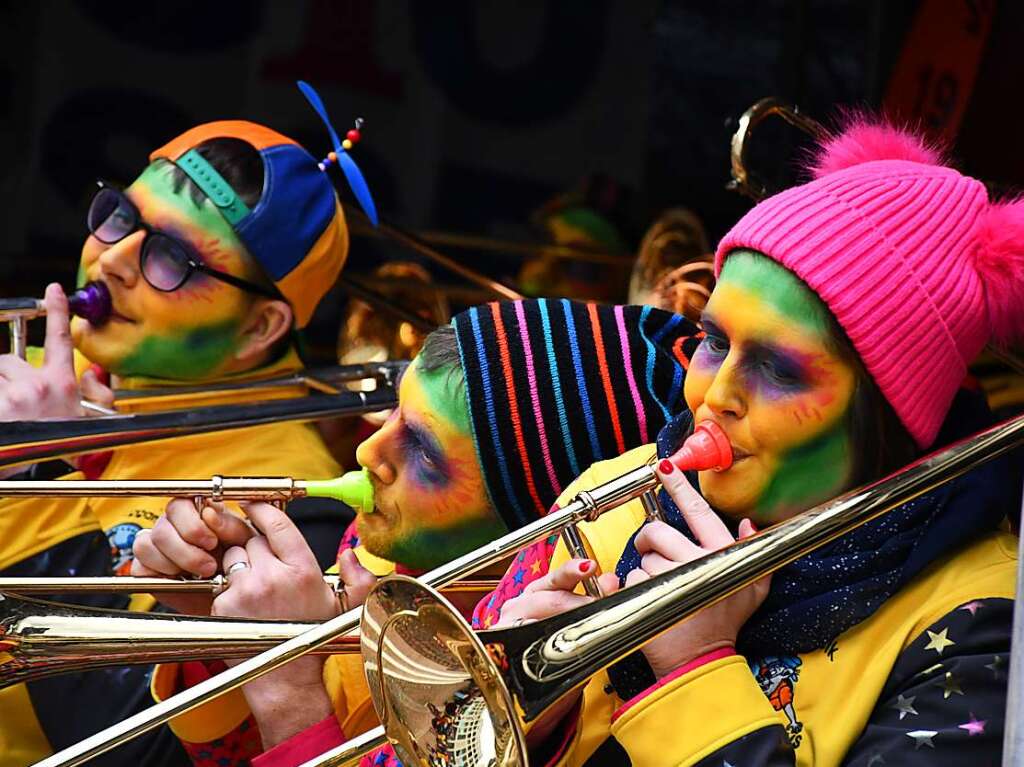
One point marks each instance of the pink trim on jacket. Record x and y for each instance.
(721, 652)
(304, 745)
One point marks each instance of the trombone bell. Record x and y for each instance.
(440, 695)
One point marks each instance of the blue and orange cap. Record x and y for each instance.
(297, 231)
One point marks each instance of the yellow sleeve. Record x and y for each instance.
(694, 715)
(606, 537)
(207, 722)
(343, 679)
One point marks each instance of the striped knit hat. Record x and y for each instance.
(555, 385)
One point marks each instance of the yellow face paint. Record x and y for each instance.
(767, 372)
(190, 333)
(431, 502)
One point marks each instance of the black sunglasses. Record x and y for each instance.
(165, 261)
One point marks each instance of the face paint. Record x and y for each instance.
(190, 333)
(192, 355)
(432, 505)
(768, 374)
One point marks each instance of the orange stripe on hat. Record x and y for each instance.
(306, 284)
(259, 136)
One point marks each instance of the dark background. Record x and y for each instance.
(476, 112)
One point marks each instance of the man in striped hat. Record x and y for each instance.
(500, 411)
(507, 406)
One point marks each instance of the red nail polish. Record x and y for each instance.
(584, 567)
(666, 466)
(753, 527)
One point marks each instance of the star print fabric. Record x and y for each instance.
(530, 564)
(942, 705)
(945, 700)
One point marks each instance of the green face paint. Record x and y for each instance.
(809, 473)
(188, 334)
(430, 547)
(768, 372)
(431, 503)
(195, 355)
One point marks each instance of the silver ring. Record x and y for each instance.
(236, 566)
(341, 594)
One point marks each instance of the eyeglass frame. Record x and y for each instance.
(194, 265)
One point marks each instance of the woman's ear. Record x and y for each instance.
(269, 320)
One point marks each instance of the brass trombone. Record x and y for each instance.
(43, 638)
(40, 638)
(449, 695)
(589, 506)
(571, 654)
(744, 180)
(31, 441)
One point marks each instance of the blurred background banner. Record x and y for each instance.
(487, 118)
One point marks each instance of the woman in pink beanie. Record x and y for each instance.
(835, 351)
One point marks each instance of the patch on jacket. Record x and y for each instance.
(777, 676)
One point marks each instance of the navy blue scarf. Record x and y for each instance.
(818, 597)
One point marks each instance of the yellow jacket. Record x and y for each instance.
(940, 643)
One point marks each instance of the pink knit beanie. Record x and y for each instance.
(916, 264)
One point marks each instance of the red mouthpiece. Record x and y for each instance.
(706, 448)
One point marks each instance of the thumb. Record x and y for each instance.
(229, 529)
(352, 571)
(746, 529)
(357, 579)
(95, 391)
(609, 583)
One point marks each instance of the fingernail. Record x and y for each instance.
(666, 466)
(753, 527)
(584, 567)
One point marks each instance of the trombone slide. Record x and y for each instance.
(41, 638)
(623, 489)
(16, 312)
(421, 656)
(353, 488)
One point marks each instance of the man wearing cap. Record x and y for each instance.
(221, 247)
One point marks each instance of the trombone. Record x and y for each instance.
(571, 654)
(31, 441)
(449, 695)
(587, 507)
(91, 302)
(39, 638)
(42, 638)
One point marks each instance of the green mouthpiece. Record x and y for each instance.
(353, 488)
